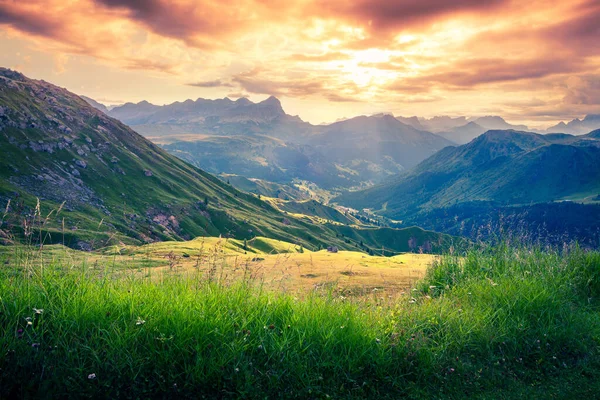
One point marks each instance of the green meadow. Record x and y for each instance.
(503, 322)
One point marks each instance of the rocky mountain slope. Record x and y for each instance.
(215, 117)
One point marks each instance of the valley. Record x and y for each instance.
(451, 174)
(301, 200)
(70, 174)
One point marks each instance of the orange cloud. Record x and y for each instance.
(388, 54)
(211, 84)
(326, 57)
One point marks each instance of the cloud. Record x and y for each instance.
(475, 72)
(380, 52)
(470, 73)
(264, 81)
(385, 66)
(238, 95)
(583, 90)
(336, 98)
(149, 65)
(210, 84)
(30, 19)
(254, 83)
(384, 15)
(334, 56)
(204, 23)
(60, 63)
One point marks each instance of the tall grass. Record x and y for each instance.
(497, 323)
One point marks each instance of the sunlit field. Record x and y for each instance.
(279, 265)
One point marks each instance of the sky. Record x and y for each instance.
(535, 62)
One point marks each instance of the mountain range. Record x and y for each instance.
(216, 117)
(261, 141)
(79, 177)
(507, 167)
(412, 168)
(185, 117)
(541, 187)
(577, 126)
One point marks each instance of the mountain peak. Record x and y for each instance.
(386, 117)
(383, 114)
(272, 101)
(243, 101)
(490, 118)
(577, 126)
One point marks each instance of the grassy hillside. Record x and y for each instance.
(263, 157)
(506, 167)
(266, 188)
(58, 148)
(99, 183)
(314, 208)
(548, 223)
(497, 323)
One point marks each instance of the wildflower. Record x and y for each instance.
(29, 321)
(412, 300)
(451, 370)
(432, 287)
(140, 321)
(38, 311)
(378, 341)
(92, 376)
(237, 370)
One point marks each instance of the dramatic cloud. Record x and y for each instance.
(391, 15)
(30, 21)
(211, 84)
(474, 72)
(583, 90)
(335, 56)
(323, 57)
(260, 83)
